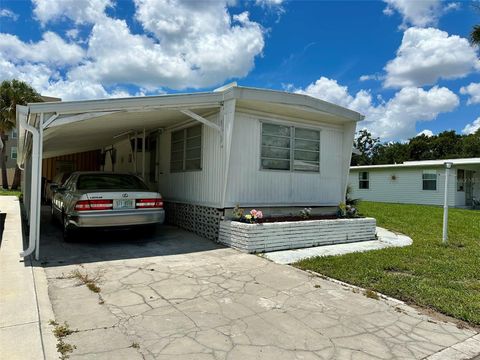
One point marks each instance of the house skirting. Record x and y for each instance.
(255, 238)
(201, 220)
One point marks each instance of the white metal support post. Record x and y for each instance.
(135, 153)
(35, 184)
(448, 165)
(228, 114)
(39, 188)
(143, 155)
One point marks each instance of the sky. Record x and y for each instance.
(407, 65)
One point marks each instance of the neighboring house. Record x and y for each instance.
(10, 155)
(208, 152)
(418, 182)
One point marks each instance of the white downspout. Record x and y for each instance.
(143, 155)
(135, 154)
(39, 189)
(33, 185)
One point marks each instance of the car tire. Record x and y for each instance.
(68, 233)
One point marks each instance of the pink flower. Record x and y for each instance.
(253, 212)
(259, 214)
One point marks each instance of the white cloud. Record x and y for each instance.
(269, 2)
(427, 55)
(329, 90)
(37, 75)
(391, 120)
(397, 118)
(192, 46)
(6, 13)
(185, 45)
(426, 132)
(52, 49)
(472, 127)
(418, 12)
(473, 91)
(80, 11)
(80, 90)
(376, 77)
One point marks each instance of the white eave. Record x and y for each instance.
(194, 100)
(424, 163)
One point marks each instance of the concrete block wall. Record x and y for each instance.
(255, 238)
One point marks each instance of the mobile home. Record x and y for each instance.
(418, 182)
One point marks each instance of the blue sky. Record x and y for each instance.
(407, 65)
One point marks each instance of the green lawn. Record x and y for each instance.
(4, 192)
(429, 274)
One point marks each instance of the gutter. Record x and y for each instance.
(33, 216)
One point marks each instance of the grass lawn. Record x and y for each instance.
(428, 274)
(4, 192)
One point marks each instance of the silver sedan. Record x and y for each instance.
(105, 200)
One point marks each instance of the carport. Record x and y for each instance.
(57, 128)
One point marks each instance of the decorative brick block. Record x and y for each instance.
(255, 238)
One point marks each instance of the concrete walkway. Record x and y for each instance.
(385, 239)
(23, 291)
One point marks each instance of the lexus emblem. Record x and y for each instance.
(125, 195)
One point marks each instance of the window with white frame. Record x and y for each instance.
(429, 180)
(13, 152)
(14, 133)
(363, 180)
(290, 148)
(186, 149)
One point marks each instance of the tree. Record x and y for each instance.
(475, 35)
(367, 147)
(12, 93)
(391, 153)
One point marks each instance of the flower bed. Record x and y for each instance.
(254, 238)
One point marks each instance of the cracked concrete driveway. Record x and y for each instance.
(178, 296)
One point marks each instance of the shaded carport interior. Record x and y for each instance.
(62, 128)
(54, 129)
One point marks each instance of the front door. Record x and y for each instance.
(469, 188)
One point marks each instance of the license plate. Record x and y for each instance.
(123, 204)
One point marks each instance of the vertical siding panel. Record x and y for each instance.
(406, 188)
(201, 187)
(248, 185)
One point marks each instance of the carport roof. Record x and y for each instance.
(92, 124)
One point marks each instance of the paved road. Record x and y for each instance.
(178, 296)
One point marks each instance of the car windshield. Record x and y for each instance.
(109, 182)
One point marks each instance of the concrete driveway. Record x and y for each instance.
(178, 296)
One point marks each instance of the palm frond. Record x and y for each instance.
(475, 35)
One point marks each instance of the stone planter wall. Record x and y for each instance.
(254, 238)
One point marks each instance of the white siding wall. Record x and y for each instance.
(406, 188)
(476, 185)
(124, 161)
(199, 187)
(248, 185)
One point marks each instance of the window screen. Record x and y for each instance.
(290, 148)
(363, 180)
(186, 149)
(429, 180)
